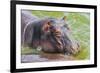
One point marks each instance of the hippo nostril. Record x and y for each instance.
(72, 49)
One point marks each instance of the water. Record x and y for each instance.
(44, 57)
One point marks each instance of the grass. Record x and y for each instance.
(80, 25)
(27, 50)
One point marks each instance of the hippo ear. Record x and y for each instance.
(46, 26)
(64, 18)
(66, 25)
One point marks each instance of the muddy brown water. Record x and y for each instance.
(44, 57)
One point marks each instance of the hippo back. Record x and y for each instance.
(26, 19)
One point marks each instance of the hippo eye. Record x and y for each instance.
(49, 23)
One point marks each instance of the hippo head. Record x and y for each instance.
(52, 35)
(57, 37)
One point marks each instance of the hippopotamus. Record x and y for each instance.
(51, 34)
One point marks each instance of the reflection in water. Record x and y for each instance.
(44, 57)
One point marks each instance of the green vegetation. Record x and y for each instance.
(27, 50)
(80, 25)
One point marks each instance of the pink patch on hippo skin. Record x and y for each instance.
(46, 27)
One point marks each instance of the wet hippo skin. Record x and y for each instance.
(51, 34)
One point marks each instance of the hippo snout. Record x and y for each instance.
(74, 48)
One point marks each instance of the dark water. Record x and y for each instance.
(45, 57)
